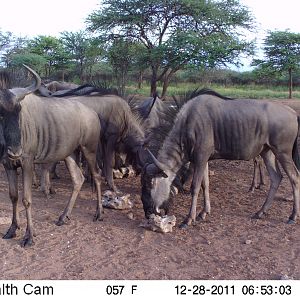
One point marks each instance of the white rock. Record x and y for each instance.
(5, 220)
(160, 224)
(115, 200)
(117, 174)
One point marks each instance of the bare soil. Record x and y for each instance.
(228, 245)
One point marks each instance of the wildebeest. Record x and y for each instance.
(120, 128)
(40, 131)
(208, 128)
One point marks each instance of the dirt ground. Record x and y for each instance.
(228, 245)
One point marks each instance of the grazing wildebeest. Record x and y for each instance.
(158, 119)
(207, 128)
(40, 131)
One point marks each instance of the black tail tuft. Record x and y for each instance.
(296, 156)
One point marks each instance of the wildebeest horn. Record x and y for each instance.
(20, 93)
(160, 165)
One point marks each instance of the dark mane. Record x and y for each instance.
(85, 90)
(157, 135)
(195, 93)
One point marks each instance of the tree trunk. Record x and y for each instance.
(166, 82)
(140, 80)
(290, 83)
(153, 88)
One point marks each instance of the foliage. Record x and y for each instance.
(83, 50)
(176, 32)
(5, 39)
(282, 54)
(121, 56)
(36, 61)
(52, 50)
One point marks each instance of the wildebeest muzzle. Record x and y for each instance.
(14, 153)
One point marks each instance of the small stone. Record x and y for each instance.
(285, 277)
(248, 242)
(131, 172)
(124, 171)
(5, 220)
(131, 216)
(211, 173)
(117, 174)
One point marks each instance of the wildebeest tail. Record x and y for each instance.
(296, 156)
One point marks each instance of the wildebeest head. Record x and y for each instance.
(10, 108)
(156, 183)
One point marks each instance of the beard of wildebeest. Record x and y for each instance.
(12, 132)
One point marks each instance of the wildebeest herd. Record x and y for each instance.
(163, 142)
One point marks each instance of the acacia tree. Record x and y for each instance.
(51, 48)
(176, 32)
(84, 50)
(5, 39)
(282, 54)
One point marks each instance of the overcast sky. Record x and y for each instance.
(38, 17)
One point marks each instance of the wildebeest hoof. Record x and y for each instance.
(259, 215)
(11, 232)
(183, 226)
(251, 190)
(291, 221)
(200, 218)
(63, 221)
(98, 217)
(52, 191)
(9, 235)
(27, 242)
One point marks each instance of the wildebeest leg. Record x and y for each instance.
(46, 187)
(294, 177)
(77, 180)
(35, 182)
(91, 160)
(206, 200)
(275, 177)
(199, 169)
(27, 200)
(255, 175)
(109, 154)
(262, 172)
(12, 178)
(53, 173)
(258, 174)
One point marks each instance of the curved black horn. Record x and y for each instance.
(20, 93)
(160, 165)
